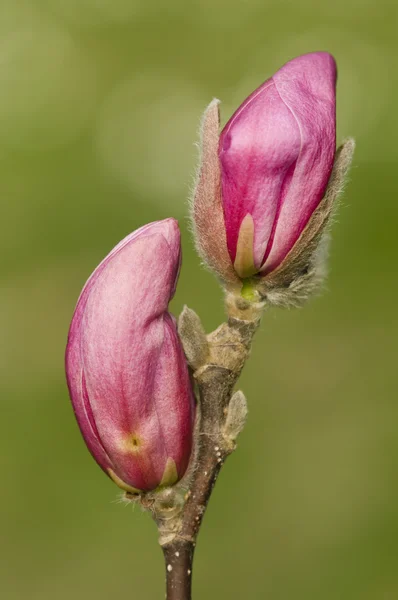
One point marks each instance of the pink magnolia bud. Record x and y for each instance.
(126, 370)
(261, 181)
(276, 156)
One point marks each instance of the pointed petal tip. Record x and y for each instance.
(314, 58)
(171, 231)
(316, 67)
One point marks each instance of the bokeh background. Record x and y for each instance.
(100, 102)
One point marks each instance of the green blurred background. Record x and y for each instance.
(99, 109)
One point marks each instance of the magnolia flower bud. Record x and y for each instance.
(126, 370)
(263, 179)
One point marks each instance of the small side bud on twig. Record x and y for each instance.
(236, 416)
(193, 338)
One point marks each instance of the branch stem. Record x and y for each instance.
(178, 562)
(179, 524)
